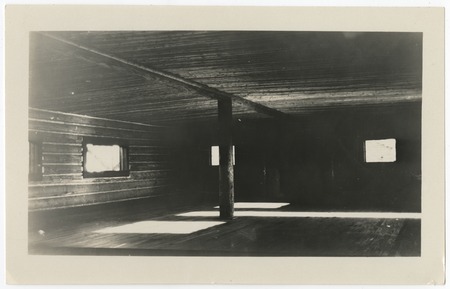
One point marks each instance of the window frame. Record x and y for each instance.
(35, 163)
(218, 156)
(384, 161)
(124, 157)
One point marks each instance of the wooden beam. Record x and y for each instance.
(226, 173)
(114, 62)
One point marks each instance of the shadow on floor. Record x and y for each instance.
(75, 232)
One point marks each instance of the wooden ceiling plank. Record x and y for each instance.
(114, 62)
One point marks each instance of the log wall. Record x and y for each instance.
(316, 161)
(62, 183)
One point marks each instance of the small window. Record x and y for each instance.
(380, 151)
(35, 161)
(215, 156)
(103, 159)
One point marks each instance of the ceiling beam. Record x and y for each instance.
(117, 63)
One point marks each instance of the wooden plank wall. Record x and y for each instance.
(62, 184)
(316, 161)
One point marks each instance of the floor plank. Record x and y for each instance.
(73, 232)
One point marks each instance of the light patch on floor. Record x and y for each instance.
(356, 215)
(161, 227)
(243, 205)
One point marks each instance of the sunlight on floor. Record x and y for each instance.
(356, 215)
(243, 205)
(160, 227)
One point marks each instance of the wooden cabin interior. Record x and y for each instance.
(225, 143)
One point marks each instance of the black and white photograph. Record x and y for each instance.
(279, 146)
(234, 143)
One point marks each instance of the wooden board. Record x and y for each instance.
(62, 183)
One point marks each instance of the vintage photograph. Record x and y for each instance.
(225, 143)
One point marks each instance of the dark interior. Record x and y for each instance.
(304, 103)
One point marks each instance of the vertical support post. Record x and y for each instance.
(226, 174)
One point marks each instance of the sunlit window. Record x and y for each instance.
(380, 151)
(102, 160)
(215, 156)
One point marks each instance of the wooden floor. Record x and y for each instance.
(75, 232)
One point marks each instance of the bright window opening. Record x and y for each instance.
(101, 158)
(380, 151)
(215, 156)
(105, 160)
